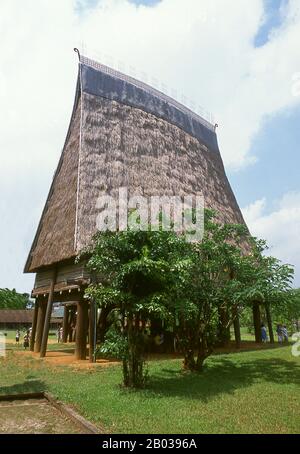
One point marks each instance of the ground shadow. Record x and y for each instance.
(223, 376)
(28, 386)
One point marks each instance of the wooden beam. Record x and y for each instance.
(34, 323)
(257, 321)
(270, 325)
(48, 316)
(42, 306)
(81, 329)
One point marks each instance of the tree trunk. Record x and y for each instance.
(269, 321)
(237, 329)
(135, 377)
(224, 328)
(189, 362)
(204, 351)
(257, 321)
(102, 324)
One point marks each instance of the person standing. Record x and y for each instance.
(61, 334)
(17, 336)
(58, 335)
(264, 336)
(26, 340)
(285, 335)
(279, 333)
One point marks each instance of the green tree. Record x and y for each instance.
(10, 299)
(214, 287)
(140, 274)
(288, 311)
(228, 273)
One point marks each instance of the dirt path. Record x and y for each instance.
(34, 416)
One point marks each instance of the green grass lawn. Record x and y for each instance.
(250, 392)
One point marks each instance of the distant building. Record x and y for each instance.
(11, 319)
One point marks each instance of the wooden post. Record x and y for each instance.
(65, 324)
(34, 323)
(71, 323)
(40, 326)
(81, 329)
(92, 327)
(237, 329)
(48, 316)
(257, 321)
(270, 325)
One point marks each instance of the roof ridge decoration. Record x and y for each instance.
(144, 86)
(102, 81)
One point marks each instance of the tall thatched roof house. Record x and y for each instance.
(122, 133)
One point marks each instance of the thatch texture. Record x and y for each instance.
(124, 146)
(111, 144)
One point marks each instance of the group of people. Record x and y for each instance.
(26, 338)
(281, 331)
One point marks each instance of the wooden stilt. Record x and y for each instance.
(72, 323)
(34, 323)
(257, 322)
(81, 329)
(40, 326)
(270, 325)
(48, 316)
(92, 325)
(65, 324)
(237, 329)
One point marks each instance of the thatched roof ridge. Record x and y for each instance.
(122, 133)
(101, 81)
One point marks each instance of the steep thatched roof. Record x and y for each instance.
(125, 133)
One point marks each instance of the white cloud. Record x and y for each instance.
(204, 49)
(281, 227)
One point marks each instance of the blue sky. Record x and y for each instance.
(278, 161)
(277, 144)
(274, 16)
